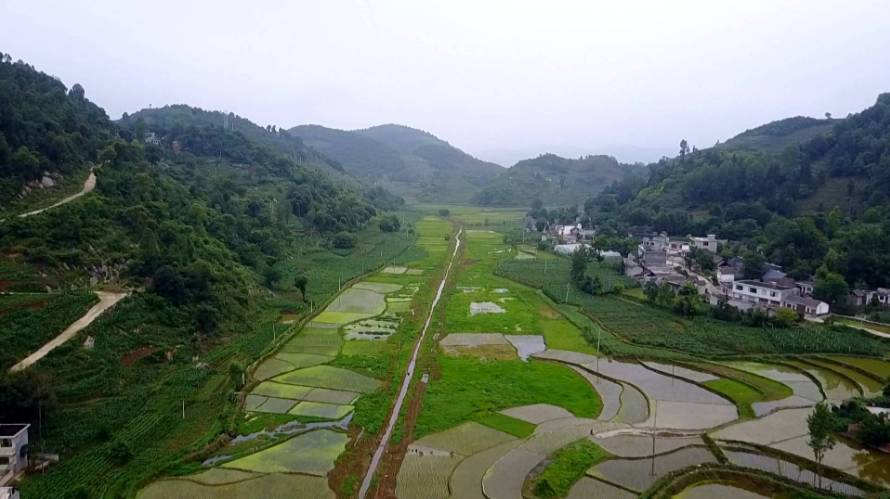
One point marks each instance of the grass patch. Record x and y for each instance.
(566, 467)
(741, 394)
(770, 389)
(506, 424)
(468, 387)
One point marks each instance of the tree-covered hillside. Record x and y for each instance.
(409, 162)
(214, 231)
(819, 207)
(778, 135)
(44, 127)
(555, 180)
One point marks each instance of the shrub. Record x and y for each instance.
(344, 240)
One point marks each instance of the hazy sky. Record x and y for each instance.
(501, 80)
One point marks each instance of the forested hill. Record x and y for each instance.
(214, 230)
(820, 205)
(175, 120)
(778, 135)
(44, 127)
(409, 162)
(556, 181)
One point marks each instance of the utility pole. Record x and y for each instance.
(567, 291)
(599, 332)
(183, 408)
(654, 430)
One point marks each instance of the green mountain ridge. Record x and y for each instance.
(555, 180)
(404, 160)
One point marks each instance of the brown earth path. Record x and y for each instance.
(88, 187)
(106, 301)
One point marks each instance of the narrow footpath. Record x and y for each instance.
(106, 301)
(406, 382)
(88, 187)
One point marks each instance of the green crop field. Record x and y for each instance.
(466, 389)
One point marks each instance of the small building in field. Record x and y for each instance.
(13, 450)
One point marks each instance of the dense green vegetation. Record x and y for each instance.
(565, 468)
(221, 230)
(29, 320)
(555, 180)
(466, 388)
(819, 207)
(407, 161)
(43, 128)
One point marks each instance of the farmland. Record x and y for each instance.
(707, 375)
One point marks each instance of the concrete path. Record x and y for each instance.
(406, 382)
(106, 301)
(88, 187)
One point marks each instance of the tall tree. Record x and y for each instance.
(821, 425)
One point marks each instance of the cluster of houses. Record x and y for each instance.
(661, 259)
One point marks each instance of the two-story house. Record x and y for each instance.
(13, 450)
(764, 293)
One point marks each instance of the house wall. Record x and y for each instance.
(752, 292)
(10, 453)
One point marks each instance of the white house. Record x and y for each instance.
(765, 293)
(13, 450)
(725, 276)
(805, 305)
(708, 242)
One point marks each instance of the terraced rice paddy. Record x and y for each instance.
(527, 345)
(869, 385)
(334, 378)
(680, 404)
(878, 368)
(805, 391)
(311, 453)
(712, 490)
(640, 474)
(428, 465)
(480, 345)
(265, 486)
(748, 458)
(836, 387)
(786, 430)
(537, 413)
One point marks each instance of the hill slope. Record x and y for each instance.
(822, 204)
(209, 236)
(776, 136)
(409, 162)
(555, 180)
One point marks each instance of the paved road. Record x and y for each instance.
(106, 301)
(394, 416)
(88, 187)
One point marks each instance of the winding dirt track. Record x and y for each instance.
(406, 382)
(106, 301)
(88, 187)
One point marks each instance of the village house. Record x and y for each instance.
(869, 297)
(773, 294)
(709, 242)
(805, 305)
(152, 138)
(13, 450)
(764, 293)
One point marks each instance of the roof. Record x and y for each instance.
(768, 285)
(725, 270)
(802, 300)
(805, 283)
(11, 430)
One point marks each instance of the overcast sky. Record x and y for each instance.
(501, 80)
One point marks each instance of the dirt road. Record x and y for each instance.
(88, 187)
(394, 416)
(106, 301)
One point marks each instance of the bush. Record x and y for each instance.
(444, 212)
(390, 223)
(344, 240)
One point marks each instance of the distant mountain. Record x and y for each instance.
(555, 180)
(777, 135)
(407, 161)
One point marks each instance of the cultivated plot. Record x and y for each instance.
(311, 453)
